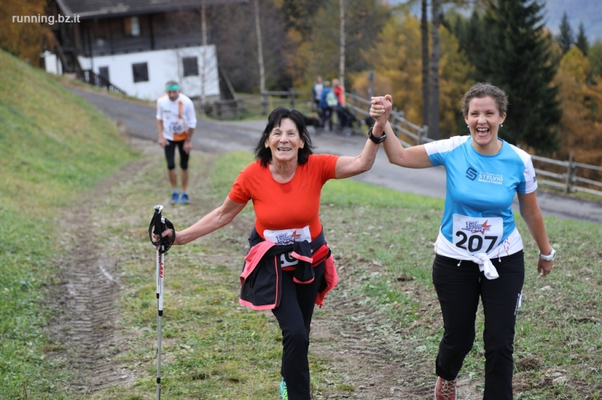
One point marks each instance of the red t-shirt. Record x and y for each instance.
(340, 93)
(290, 205)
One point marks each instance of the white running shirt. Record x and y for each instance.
(177, 116)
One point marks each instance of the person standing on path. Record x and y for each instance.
(289, 267)
(479, 251)
(328, 103)
(176, 121)
(316, 92)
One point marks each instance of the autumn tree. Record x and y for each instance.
(364, 19)
(519, 60)
(565, 37)
(24, 40)
(397, 60)
(233, 29)
(581, 122)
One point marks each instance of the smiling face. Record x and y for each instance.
(484, 120)
(284, 142)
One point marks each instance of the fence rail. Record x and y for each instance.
(89, 76)
(568, 176)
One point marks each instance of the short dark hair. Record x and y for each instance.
(265, 154)
(484, 89)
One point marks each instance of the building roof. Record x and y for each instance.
(87, 9)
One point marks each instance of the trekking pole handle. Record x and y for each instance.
(156, 228)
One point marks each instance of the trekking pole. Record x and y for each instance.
(158, 224)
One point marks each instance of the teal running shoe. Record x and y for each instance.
(283, 391)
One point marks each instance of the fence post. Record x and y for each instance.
(264, 103)
(291, 97)
(570, 173)
(218, 109)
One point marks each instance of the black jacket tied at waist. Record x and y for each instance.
(261, 279)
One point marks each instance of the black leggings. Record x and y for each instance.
(170, 155)
(294, 316)
(459, 288)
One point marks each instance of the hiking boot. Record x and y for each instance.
(175, 197)
(283, 391)
(445, 390)
(184, 199)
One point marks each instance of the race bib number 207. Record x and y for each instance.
(477, 234)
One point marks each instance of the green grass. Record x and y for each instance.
(57, 146)
(54, 146)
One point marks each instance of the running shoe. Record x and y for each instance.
(175, 197)
(445, 390)
(184, 199)
(283, 391)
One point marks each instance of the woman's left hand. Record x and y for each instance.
(544, 267)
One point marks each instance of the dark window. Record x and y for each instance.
(104, 72)
(140, 72)
(191, 66)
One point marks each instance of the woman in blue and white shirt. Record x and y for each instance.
(479, 251)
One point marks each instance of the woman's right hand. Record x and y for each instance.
(168, 233)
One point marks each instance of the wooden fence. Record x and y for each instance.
(568, 176)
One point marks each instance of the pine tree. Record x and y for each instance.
(582, 43)
(519, 60)
(565, 37)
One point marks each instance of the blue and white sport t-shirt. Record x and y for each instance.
(478, 219)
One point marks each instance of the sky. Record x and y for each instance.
(588, 12)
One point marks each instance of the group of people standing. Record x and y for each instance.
(329, 99)
(478, 251)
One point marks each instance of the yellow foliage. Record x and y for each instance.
(23, 39)
(581, 125)
(575, 64)
(398, 63)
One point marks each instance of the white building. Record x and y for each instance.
(136, 46)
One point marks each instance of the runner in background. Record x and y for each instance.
(176, 120)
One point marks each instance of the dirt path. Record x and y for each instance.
(87, 319)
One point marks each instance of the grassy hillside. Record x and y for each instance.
(53, 147)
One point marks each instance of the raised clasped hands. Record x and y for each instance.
(380, 108)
